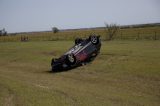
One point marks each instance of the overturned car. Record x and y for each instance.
(84, 51)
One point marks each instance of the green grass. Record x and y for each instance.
(125, 73)
(147, 33)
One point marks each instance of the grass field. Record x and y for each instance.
(126, 73)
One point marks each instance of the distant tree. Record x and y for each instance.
(0, 32)
(111, 30)
(55, 30)
(3, 32)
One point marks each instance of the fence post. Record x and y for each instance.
(138, 35)
(121, 35)
(155, 35)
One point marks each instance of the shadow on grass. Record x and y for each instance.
(62, 70)
(71, 67)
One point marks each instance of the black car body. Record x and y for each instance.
(82, 52)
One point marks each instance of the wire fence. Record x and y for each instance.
(50, 36)
(139, 36)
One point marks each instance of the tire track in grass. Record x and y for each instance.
(69, 98)
(8, 98)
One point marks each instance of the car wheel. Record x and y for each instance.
(71, 59)
(94, 39)
(78, 41)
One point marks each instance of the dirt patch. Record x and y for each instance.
(53, 53)
(42, 86)
(9, 100)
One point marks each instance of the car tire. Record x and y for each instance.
(94, 39)
(71, 59)
(78, 41)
